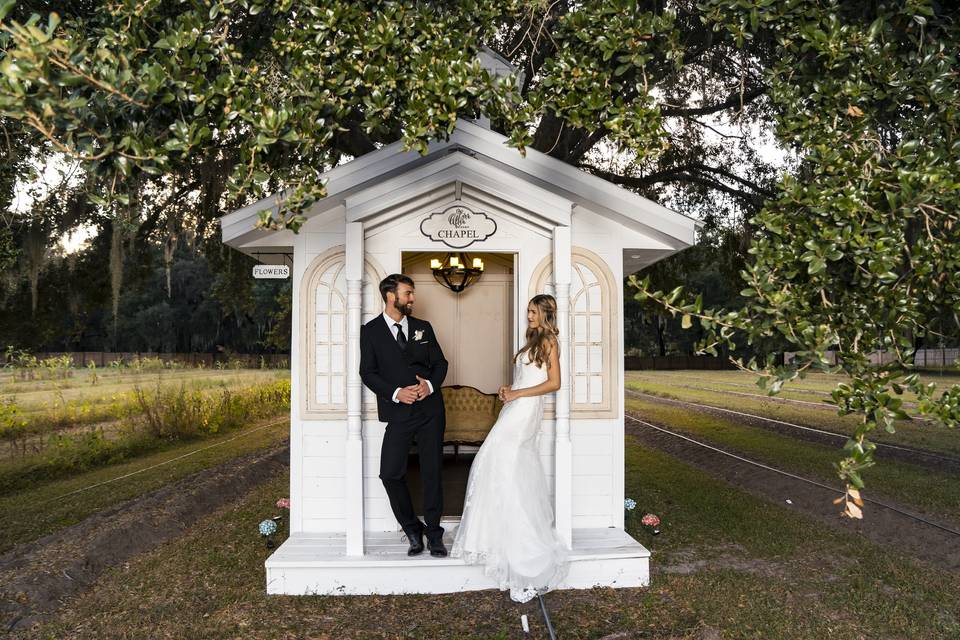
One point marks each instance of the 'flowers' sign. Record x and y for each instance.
(271, 271)
(458, 226)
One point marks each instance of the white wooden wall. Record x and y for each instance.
(317, 447)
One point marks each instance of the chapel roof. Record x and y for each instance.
(541, 171)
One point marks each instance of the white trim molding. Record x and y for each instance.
(563, 490)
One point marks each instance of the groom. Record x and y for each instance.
(401, 362)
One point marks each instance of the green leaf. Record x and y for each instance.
(5, 7)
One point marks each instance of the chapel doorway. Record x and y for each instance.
(476, 332)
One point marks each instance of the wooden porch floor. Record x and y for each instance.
(317, 563)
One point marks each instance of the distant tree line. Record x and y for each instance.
(203, 299)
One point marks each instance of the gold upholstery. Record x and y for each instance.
(470, 414)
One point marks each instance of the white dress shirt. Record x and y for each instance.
(406, 332)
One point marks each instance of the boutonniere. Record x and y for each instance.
(418, 334)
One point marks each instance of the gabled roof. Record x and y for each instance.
(545, 174)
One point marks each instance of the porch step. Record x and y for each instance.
(317, 564)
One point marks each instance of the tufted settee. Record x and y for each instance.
(470, 415)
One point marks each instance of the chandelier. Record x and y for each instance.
(454, 273)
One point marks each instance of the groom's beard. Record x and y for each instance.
(405, 309)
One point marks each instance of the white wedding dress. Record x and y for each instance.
(508, 522)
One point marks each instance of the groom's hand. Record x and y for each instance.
(408, 395)
(423, 389)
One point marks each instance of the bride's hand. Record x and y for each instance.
(501, 391)
(507, 394)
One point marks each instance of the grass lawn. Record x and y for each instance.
(821, 383)
(923, 435)
(727, 565)
(77, 400)
(29, 514)
(930, 491)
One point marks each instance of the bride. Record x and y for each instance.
(507, 523)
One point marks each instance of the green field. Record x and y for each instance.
(56, 429)
(104, 396)
(191, 410)
(923, 490)
(726, 565)
(714, 387)
(49, 506)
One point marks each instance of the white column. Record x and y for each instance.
(563, 447)
(297, 387)
(354, 462)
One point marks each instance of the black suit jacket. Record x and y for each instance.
(384, 366)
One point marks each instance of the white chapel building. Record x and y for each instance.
(537, 225)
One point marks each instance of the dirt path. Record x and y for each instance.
(881, 525)
(903, 453)
(35, 577)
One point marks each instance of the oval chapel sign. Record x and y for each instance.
(458, 226)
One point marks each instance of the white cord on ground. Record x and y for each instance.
(160, 464)
(794, 476)
(711, 407)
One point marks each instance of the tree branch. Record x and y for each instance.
(734, 100)
(689, 170)
(682, 173)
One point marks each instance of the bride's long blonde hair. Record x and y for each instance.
(541, 338)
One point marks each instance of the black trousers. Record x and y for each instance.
(427, 429)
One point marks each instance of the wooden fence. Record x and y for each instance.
(210, 360)
(934, 358)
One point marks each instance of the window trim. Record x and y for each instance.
(607, 408)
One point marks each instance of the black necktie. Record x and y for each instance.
(401, 339)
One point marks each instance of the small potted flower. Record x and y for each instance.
(629, 505)
(648, 520)
(267, 528)
(652, 521)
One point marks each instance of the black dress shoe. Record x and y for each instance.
(437, 550)
(416, 542)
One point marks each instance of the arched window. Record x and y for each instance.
(593, 331)
(324, 320)
(325, 324)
